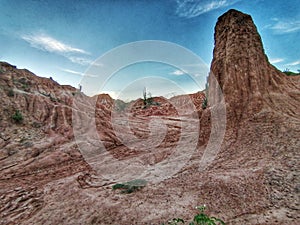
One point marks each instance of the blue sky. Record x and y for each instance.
(61, 38)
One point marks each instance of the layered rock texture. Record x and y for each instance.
(262, 109)
(248, 81)
(46, 178)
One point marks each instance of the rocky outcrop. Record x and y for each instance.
(263, 119)
(248, 81)
(42, 101)
(33, 145)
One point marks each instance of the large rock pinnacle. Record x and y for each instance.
(241, 67)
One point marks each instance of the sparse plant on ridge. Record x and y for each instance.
(10, 93)
(290, 73)
(199, 219)
(130, 186)
(145, 96)
(17, 116)
(203, 219)
(204, 103)
(148, 99)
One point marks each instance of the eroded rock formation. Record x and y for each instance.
(248, 81)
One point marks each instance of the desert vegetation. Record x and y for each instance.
(199, 219)
(290, 73)
(17, 117)
(131, 186)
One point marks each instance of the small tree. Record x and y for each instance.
(150, 99)
(204, 103)
(145, 96)
(17, 116)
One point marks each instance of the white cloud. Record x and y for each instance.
(294, 63)
(77, 73)
(80, 60)
(178, 72)
(72, 71)
(193, 8)
(276, 60)
(97, 64)
(49, 44)
(284, 27)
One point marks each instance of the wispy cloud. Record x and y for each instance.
(177, 72)
(80, 60)
(49, 44)
(84, 61)
(276, 60)
(72, 72)
(295, 63)
(77, 72)
(193, 8)
(284, 26)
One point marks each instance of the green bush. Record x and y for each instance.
(148, 101)
(17, 117)
(200, 219)
(290, 73)
(10, 93)
(130, 186)
(203, 219)
(25, 87)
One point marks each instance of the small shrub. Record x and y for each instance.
(200, 219)
(148, 101)
(17, 117)
(290, 73)
(130, 186)
(10, 93)
(25, 87)
(203, 219)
